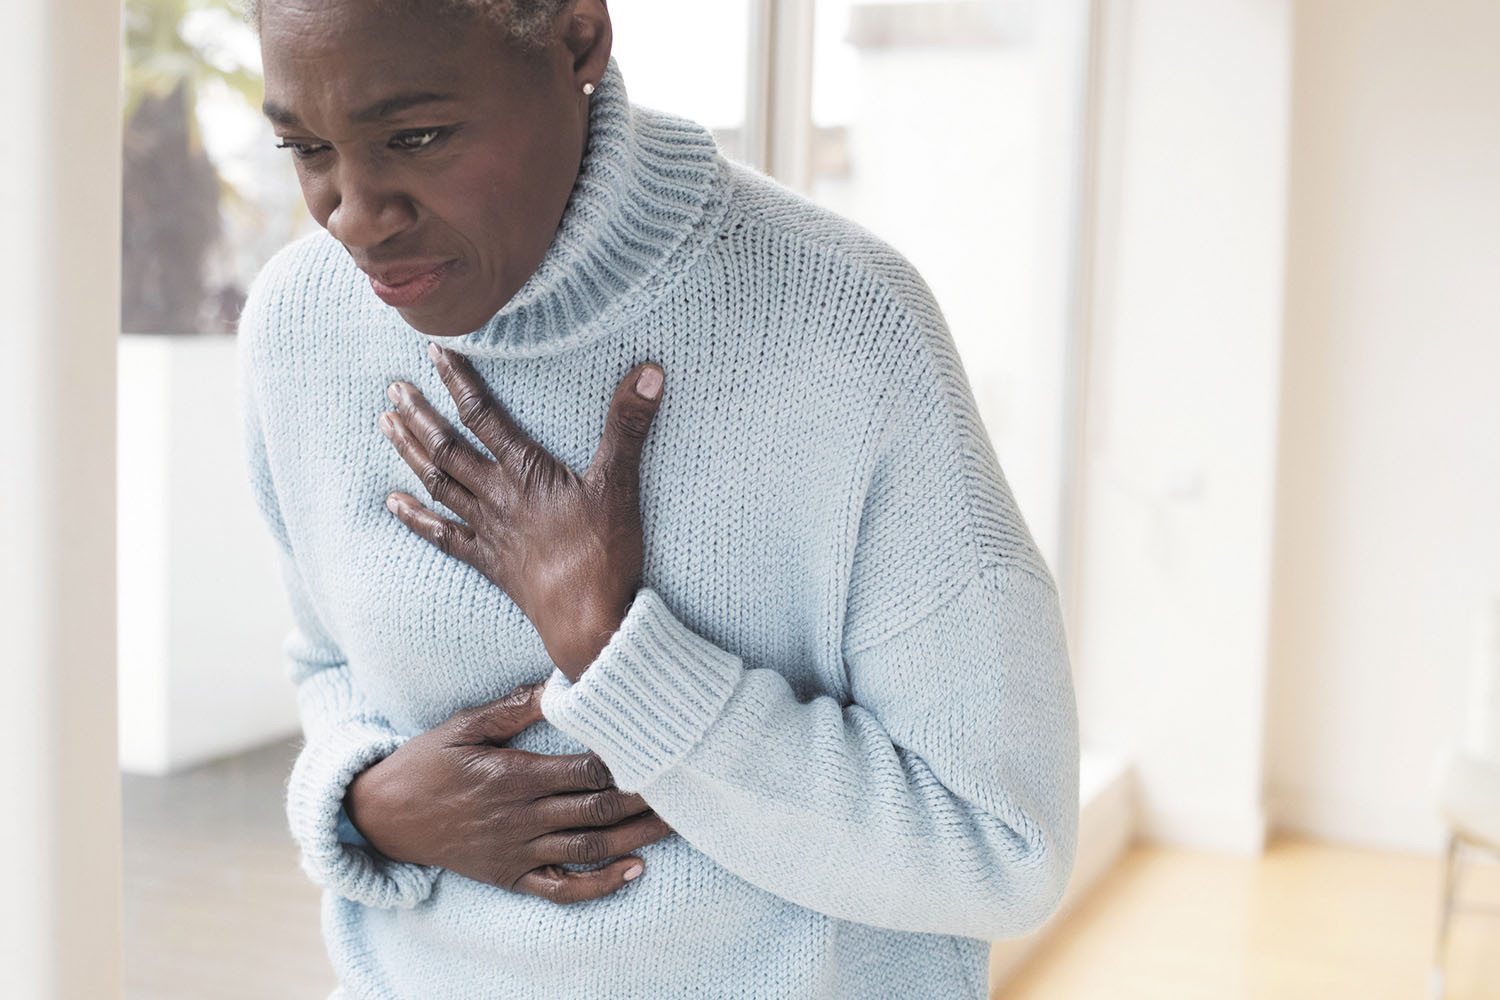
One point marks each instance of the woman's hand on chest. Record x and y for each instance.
(567, 548)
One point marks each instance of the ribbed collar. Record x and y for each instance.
(649, 192)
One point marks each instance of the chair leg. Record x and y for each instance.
(1436, 987)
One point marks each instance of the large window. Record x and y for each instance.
(207, 198)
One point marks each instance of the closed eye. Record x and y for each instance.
(302, 150)
(415, 139)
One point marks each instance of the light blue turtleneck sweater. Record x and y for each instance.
(844, 682)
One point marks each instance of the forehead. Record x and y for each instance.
(335, 55)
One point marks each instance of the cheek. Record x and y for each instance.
(315, 196)
(490, 212)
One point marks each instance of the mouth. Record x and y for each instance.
(405, 285)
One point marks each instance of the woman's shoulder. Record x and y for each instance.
(765, 213)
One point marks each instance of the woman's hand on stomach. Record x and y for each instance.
(566, 547)
(454, 797)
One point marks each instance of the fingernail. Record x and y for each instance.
(432, 352)
(632, 872)
(393, 504)
(392, 394)
(387, 426)
(649, 384)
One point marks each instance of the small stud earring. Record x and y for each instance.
(588, 89)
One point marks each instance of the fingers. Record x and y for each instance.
(585, 846)
(453, 537)
(616, 462)
(562, 886)
(500, 720)
(571, 811)
(449, 467)
(578, 772)
(477, 408)
(543, 774)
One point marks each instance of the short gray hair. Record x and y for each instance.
(529, 22)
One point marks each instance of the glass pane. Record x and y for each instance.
(952, 130)
(689, 58)
(207, 197)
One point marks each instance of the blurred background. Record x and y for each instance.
(1225, 277)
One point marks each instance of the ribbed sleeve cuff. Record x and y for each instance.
(648, 698)
(315, 797)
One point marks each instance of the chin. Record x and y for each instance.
(437, 321)
(436, 326)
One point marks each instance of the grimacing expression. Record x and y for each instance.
(439, 152)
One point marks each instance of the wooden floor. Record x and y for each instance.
(1306, 920)
(217, 909)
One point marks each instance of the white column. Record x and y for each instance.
(1184, 376)
(60, 918)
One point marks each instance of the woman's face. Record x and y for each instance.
(439, 153)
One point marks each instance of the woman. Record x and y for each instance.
(802, 661)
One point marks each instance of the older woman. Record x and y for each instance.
(785, 643)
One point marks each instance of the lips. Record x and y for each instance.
(405, 284)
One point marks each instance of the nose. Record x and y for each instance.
(364, 211)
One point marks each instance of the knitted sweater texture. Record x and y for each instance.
(844, 682)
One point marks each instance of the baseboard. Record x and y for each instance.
(1106, 826)
(1223, 828)
(1381, 825)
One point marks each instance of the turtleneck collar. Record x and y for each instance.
(649, 192)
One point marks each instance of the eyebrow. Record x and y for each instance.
(381, 110)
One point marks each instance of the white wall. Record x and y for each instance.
(1175, 529)
(202, 610)
(60, 913)
(1388, 535)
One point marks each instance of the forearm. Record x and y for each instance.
(947, 807)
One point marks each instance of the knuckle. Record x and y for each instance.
(511, 451)
(506, 786)
(434, 479)
(465, 718)
(559, 892)
(584, 847)
(635, 421)
(572, 891)
(515, 700)
(472, 406)
(442, 442)
(592, 772)
(530, 469)
(542, 883)
(603, 809)
(442, 451)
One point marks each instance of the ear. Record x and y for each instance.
(587, 33)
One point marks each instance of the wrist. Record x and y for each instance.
(360, 805)
(575, 662)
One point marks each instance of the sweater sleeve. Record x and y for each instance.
(942, 796)
(342, 734)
